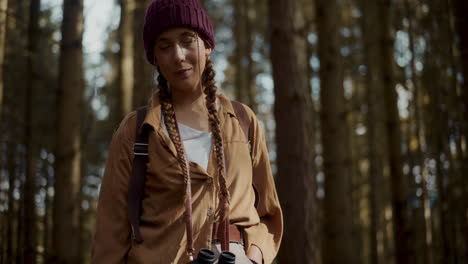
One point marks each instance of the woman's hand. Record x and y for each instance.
(255, 254)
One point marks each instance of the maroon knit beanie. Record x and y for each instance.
(164, 14)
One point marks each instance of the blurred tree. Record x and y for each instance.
(337, 236)
(68, 141)
(294, 157)
(29, 135)
(460, 8)
(392, 120)
(143, 81)
(420, 224)
(376, 134)
(243, 33)
(3, 17)
(127, 8)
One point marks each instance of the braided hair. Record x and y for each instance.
(170, 121)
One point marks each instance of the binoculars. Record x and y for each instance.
(206, 256)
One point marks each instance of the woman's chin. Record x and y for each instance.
(184, 86)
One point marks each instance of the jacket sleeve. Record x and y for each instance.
(112, 238)
(267, 234)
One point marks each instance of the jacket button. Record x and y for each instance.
(210, 212)
(209, 180)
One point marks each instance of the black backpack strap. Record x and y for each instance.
(137, 179)
(244, 121)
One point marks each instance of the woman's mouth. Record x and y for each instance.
(184, 73)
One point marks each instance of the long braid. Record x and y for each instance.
(210, 91)
(170, 121)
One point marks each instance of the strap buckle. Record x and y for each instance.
(140, 149)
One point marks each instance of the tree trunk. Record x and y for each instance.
(68, 144)
(240, 51)
(337, 236)
(422, 223)
(142, 86)
(30, 179)
(3, 18)
(292, 98)
(20, 225)
(398, 183)
(47, 217)
(126, 43)
(376, 134)
(11, 164)
(460, 8)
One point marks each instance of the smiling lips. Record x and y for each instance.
(183, 73)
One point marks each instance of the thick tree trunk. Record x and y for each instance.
(422, 223)
(376, 134)
(292, 99)
(3, 18)
(244, 65)
(127, 54)
(30, 180)
(398, 183)
(460, 8)
(142, 86)
(68, 144)
(240, 79)
(337, 234)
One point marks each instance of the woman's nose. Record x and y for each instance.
(179, 53)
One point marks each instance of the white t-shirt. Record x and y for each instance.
(197, 144)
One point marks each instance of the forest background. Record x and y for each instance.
(364, 105)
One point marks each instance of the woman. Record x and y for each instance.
(204, 181)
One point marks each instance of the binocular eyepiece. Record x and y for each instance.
(206, 256)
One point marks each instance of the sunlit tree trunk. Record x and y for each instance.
(143, 71)
(292, 99)
(127, 53)
(3, 17)
(337, 233)
(68, 143)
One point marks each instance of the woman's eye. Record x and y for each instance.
(188, 41)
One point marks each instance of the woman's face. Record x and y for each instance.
(181, 57)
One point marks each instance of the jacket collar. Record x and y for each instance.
(153, 117)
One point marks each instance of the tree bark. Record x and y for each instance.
(68, 144)
(127, 54)
(422, 223)
(292, 99)
(337, 235)
(3, 23)
(240, 78)
(398, 184)
(12, 219)
(30, 179)
(143, 85)
(376, 134)
(460, 8)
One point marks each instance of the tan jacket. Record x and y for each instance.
(161, 223)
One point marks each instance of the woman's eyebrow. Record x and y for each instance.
(188, 34)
